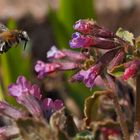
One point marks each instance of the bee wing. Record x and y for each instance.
(3, 28)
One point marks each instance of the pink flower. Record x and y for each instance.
(132, 69)
(27, 95)
(43, 69)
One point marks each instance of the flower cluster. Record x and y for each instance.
(29, 95)
(71, 60)
(91, 38)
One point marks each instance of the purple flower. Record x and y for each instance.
(88, 76)
(51, 106)
(45, 68)
(86, 41)
(79, 41)
(55, 53)
(90, 27)
(27, 95)
(24, 86)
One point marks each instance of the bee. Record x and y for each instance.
(10, 37)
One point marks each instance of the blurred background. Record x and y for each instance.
(50, 22)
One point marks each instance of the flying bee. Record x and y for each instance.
(10, 37)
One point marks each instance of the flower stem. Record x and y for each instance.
(121, 119)
(137, 114)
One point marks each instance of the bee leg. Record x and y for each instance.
(25, 45)
(17, 42)
(9, 44)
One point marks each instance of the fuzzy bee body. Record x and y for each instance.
(11, 37)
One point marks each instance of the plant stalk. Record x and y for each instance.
(121, 118)
(137, 108)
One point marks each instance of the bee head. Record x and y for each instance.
(24, 37)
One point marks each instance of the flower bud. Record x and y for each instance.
(132, 69)
(91, 28)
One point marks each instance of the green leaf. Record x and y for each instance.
(91, 106)
(117, 71)
(84, 135)
(126, 35)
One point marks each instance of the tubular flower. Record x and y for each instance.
(79, 41)
(132, 69)
(88, 76)
(90, 27)
(43, 69)
(55, 53)
(86, 41)
(50, 106)
(27, 95)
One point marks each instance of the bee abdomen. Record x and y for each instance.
(4, 47)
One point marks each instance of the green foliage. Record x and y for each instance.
(84, 135)
(117, 71)
(126, 35)
(91, 107)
